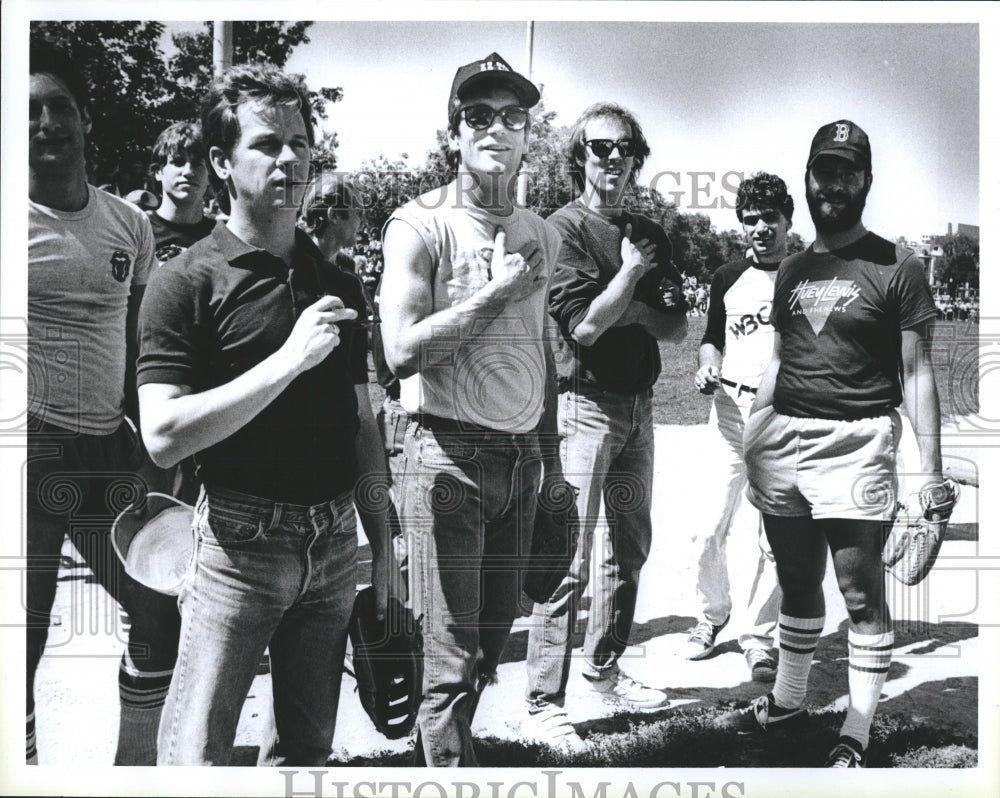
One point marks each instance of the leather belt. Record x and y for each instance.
(739, 386)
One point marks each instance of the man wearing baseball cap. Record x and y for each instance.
(853, 317)
(463, 312)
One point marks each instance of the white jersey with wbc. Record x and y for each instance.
(739, 319)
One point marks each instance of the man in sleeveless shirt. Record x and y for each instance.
(463, 315)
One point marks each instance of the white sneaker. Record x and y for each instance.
(621, 688)
(548, 724)
(701, 640)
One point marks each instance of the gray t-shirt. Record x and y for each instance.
(82, 266)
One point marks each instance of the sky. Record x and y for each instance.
(713, 98)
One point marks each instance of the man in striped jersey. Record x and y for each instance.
(734, 352)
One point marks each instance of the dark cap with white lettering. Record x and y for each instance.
(492, 69)
(843, 139)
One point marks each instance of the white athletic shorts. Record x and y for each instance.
(820, 467)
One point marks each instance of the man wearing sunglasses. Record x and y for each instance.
(463, 315)
(735, 350)
(251, 360)
(607, 297)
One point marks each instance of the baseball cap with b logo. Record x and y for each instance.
(843, 139)
(492, 69)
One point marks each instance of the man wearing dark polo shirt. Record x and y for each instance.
(606, 298)
(251, 362)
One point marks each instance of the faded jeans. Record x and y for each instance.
(264, 575)
(468, 508)
(607, 453)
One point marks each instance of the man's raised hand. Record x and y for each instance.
(638, 256)
(515, 275)
(316, 332)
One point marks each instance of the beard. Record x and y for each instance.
(836, 221)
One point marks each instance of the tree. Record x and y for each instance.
(959, 264)
(126, 77)
(135, 92)
(190, 68)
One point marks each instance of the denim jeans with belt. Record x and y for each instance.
(264, 575)
(468, 507)
(607, 453)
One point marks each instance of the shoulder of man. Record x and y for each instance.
(196, 262)
(729, 271)
(119, 207)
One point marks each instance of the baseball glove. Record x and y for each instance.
(912, 544)
(388, 664)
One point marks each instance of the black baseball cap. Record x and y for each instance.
(844, 139)
(492, 69)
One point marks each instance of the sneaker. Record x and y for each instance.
(547, 724)
(701, 640)
(763, 668)
(621, 688)
(762, 714)
(847, 754)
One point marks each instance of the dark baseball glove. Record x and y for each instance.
(388, 664)
(913, 542)
(553, 541)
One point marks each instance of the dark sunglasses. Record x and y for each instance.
(602, 148)
(480, 117)
(769, 217)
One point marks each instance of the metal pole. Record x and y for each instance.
(529, 46)
(222, 47)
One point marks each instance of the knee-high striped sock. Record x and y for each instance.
(31, 752)
(797, 639)
(868, 660)
(141, 695)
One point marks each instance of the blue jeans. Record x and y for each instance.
(264, 575)
(606, 452)
(468, 507)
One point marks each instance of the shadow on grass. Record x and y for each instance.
(684, 738)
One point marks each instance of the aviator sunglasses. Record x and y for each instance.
(480, 117)
(602, 148)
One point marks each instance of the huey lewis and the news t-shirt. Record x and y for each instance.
(840, 316)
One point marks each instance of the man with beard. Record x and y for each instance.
(853, 317)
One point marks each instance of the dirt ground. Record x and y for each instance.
(935, 675)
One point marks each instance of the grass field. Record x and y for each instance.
(955, 353)
(679, 738)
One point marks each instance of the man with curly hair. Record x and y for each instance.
(735, 350)
(607, 299)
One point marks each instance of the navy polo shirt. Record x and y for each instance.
(220, 308)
